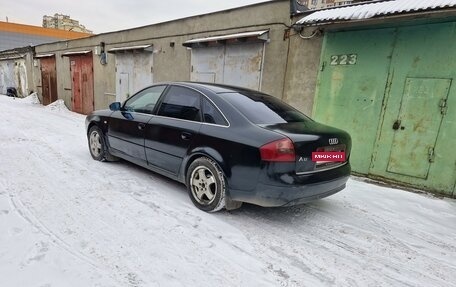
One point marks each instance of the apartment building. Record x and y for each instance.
(64, 22)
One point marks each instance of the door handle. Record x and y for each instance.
(186, 136)
(141, 126)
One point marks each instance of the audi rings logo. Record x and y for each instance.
(333, 141)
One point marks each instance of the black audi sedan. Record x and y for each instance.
(227, 144)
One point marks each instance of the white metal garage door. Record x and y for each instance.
(239, 64)
(235, 59)
(13, 73)
(6, 75)
(134, 70)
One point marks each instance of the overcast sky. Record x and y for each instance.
(111, 15)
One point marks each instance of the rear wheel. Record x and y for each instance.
(206, 185)
(97, 145)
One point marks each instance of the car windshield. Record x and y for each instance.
(262, 109)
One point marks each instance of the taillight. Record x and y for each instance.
(280, 150)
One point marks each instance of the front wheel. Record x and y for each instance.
(97, 145)
(206, 185)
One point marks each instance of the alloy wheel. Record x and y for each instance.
(95, 144)
(203, 185)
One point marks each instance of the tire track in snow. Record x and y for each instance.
(126, 276)
(38, 148)
(28, 215)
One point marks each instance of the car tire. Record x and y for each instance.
(206, 185)
(97, 145)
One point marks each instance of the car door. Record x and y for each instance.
(170, 133)
(126, 127)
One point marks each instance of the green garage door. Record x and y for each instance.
(351, 87)
(394, 91)
(417, 127)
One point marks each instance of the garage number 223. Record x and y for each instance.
(347, 59)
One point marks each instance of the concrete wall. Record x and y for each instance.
(35, 75)
(31, 84)
(173, 63)
(303, 64)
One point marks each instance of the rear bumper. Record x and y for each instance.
(303, 188)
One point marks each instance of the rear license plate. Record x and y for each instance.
(329, 155)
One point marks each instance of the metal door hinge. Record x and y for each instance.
(443, 106)
(431, 154)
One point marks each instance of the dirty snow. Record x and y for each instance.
(30, 99)
(58, 105)
(67, 220)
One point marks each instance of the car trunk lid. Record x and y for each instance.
(309, 137)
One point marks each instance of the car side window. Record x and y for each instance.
(211, 114)
(181, 103)
(145, 100)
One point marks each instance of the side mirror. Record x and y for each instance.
(115, 106)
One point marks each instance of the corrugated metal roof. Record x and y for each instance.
(370, 10)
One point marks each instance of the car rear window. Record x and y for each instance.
(264, 109)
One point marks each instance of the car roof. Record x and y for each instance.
(215, 88)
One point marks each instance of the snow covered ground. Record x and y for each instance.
(67, 220)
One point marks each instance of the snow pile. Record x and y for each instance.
(31, 99)
(58, 105)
